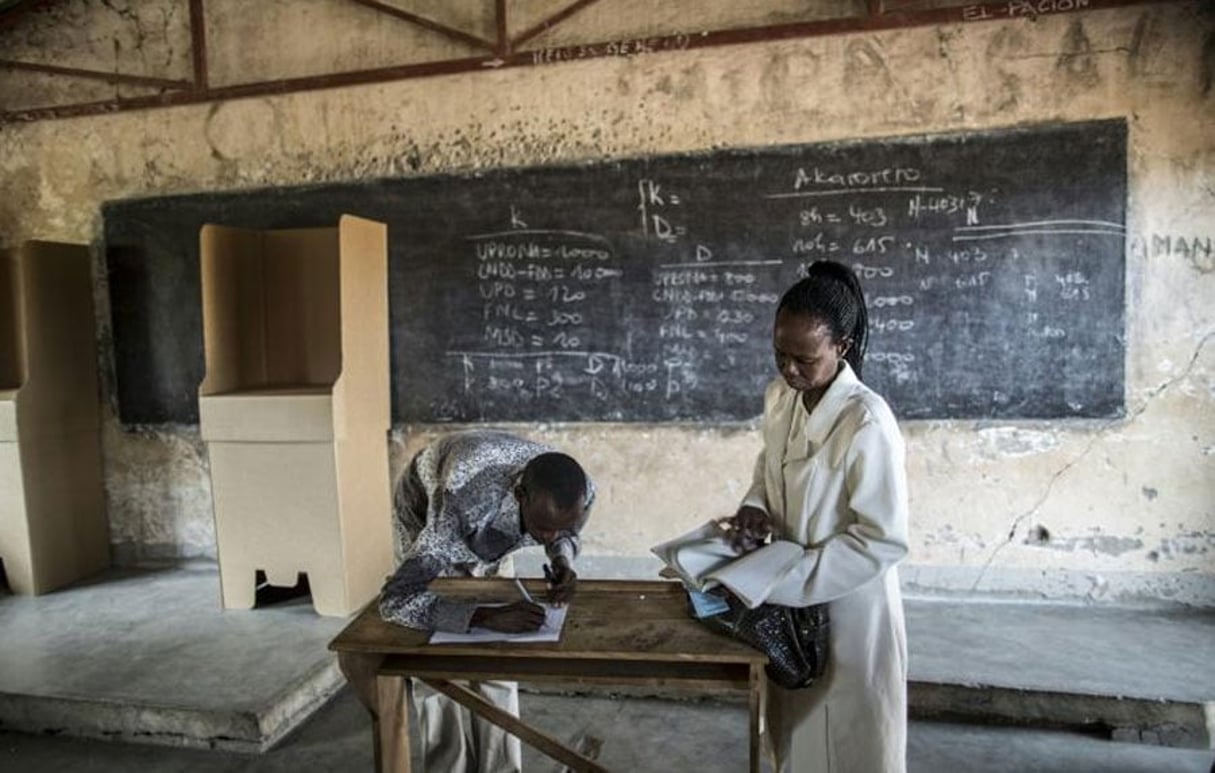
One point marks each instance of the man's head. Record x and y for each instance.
(551, 496)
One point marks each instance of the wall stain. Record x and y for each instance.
(1148, 48)
(685, 85)
(870, 81)
(1077, 59)
(1190, 543)
(1007, 93)
(945, 40)
(787, 80)
(212, 111)
(865, 61)
(774, 81)
(1110, 546)
(1038, 535)
(1135, 62)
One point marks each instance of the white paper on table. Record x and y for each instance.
(554, 621)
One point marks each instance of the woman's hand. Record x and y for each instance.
(749, 527)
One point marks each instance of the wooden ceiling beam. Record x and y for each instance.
(109, 77)
(198, 43)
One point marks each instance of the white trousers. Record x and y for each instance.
(455, 741)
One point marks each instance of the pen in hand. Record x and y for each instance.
(523, 591)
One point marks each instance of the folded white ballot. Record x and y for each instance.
(703, 559)
(554, 621)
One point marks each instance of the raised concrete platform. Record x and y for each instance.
(150, 657)
(1138, 674)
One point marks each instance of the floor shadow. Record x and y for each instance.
(268, 595)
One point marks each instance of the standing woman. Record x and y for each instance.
(831, 479)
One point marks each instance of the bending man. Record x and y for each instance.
(464, 504)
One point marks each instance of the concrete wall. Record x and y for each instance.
(1091, 509)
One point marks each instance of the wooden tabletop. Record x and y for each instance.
(608, 619)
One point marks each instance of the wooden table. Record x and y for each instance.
(616, 633)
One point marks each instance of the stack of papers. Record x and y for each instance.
(704, 558)
(554, 621)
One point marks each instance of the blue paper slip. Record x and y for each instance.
(706, 604)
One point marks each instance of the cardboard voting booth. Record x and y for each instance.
(53, 526)
(294, 409)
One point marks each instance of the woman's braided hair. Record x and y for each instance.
(831, 292)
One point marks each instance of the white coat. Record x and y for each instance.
(835, 484)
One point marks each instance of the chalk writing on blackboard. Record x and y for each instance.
(644, 289)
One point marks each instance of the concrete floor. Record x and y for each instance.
(148, 656)
(640, 736)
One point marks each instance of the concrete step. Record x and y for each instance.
(149, 657)
(1138, 674)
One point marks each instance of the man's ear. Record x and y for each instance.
(843, 346)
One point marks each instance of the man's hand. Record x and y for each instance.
(749, 527)
(520, 617)
(561, 578)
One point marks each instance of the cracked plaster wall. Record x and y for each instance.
(1101, 510)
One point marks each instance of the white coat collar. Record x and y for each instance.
(822, 419)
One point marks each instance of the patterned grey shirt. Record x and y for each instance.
(455, 514)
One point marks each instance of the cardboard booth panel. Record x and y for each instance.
(294, 529)
(8, 416)
(14, 527)
(366, 501)
(59, 391)
(12, 358)
(300, 414)
(66, 524)
(53, 527)
(295, 408)
(302, 307)
(270, 308)
(363, 391)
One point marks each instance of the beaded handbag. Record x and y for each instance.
(795, 639)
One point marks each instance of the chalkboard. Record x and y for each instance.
(644, 289)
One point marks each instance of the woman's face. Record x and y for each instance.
(807, 355)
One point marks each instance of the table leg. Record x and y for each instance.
(392, 728)
(759, 682)
(360, 671)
